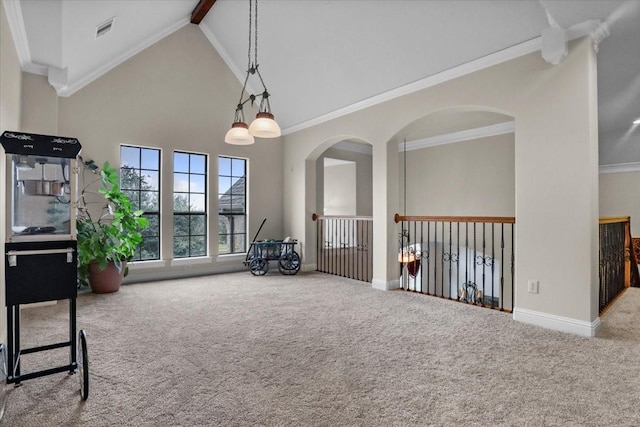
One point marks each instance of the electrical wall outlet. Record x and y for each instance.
(532, 286)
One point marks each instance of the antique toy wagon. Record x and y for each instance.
(282, 251)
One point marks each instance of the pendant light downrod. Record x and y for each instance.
(264, 125)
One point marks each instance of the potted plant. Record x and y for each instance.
(108, 234)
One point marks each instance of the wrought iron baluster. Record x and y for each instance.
(484, 253)
(502, 267)
(493, 257)
(359, 248)
(466, 255)
(442, 261)
(474, 254)
(416, 256)
(429, 258)
(458, 264)
(450, 261)
(513, 264)
(352, 250)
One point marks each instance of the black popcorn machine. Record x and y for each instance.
(40, 247)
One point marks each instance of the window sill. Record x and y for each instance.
(191, 261)
(232, 257)
(141, 265)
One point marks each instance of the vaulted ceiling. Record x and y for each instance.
(321, 59)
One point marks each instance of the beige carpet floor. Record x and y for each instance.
(317, 350)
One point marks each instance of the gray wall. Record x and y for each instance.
(619, 197)
(470, 178)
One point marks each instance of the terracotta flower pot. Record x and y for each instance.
(107, 280)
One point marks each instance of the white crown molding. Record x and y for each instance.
(75, 86)
(620, 168)
(557, 323)
(354, 147)
(240, 74)
(582, 29)
(465, 135)
(13, 10)
(504, 55)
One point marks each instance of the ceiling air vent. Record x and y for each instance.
(105, 27)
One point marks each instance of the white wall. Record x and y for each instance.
(177, 94)
(364, 190)
(339, 188)
(556, 175)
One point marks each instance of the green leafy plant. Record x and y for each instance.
(109, 229)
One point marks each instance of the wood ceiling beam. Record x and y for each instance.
(201, 10)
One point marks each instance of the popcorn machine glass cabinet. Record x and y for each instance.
(41, 196)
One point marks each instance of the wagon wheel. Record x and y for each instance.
(289, 263)
(259, 266)
(83, 365)
(3, 377)
(250, 256)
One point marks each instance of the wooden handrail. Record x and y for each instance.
(316, 217)
(614, 219)
(486, 219)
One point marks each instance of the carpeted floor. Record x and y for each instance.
(317, 350)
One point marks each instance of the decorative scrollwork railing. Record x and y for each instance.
(618, 265)
(467, 259)
(343, 246)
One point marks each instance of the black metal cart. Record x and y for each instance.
(41, 257)
(30, 278)
(260, 253)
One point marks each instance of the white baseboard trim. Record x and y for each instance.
(309, 267)
(152, 276)
(557, 323)
(383, 285)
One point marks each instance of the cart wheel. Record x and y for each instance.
(83, 365)
(3, 378)
(3, 362)
(250, 257)
(289, 263)
(259, 266)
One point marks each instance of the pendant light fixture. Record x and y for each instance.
(264, 126)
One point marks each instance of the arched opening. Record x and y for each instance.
(457, 205)
(343, 171)
(339, 194)
(460, 161)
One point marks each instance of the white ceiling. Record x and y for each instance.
(320, 59)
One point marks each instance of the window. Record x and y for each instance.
(140, 180)
(189, 205)
(232, 213)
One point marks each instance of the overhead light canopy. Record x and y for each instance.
(637, 121)
(264, 125)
